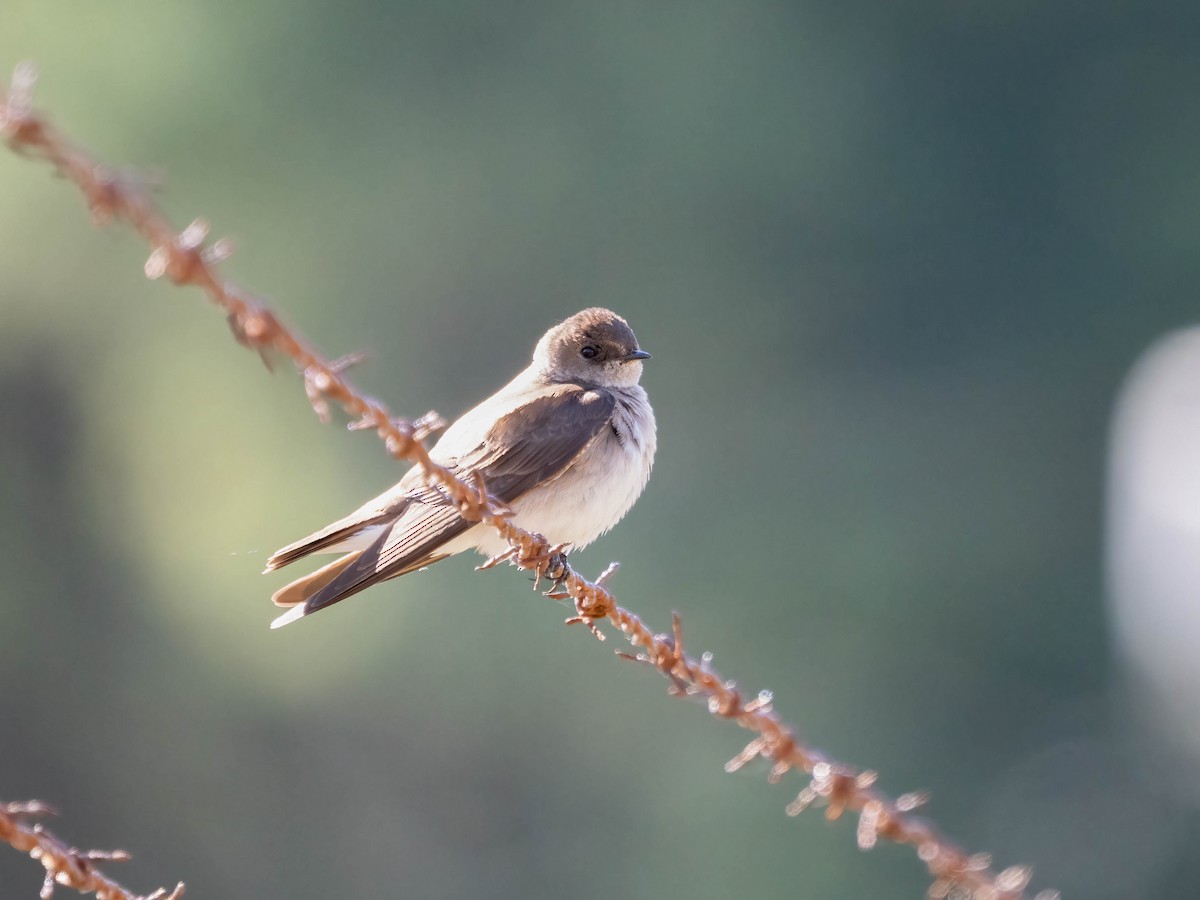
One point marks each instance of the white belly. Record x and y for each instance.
(592, 494)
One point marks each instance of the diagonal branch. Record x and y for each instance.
(68, 866)
(188, 259)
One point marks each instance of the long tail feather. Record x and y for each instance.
(303, 588)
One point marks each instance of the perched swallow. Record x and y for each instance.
(567, 445)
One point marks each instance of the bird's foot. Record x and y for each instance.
(552, 565)
(544, 559)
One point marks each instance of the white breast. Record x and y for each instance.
(596, 491)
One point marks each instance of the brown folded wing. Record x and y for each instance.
(535, 443)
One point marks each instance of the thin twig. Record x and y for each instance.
(67, 866)
(188, 259)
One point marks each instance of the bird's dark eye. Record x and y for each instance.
(589, 352)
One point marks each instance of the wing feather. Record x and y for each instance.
(539, 440)
(534, 443)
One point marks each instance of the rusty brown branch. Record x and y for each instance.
(67, 866)
(187, 258)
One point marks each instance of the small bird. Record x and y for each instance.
(567, 445)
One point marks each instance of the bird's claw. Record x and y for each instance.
(556, 567)
(549, 562)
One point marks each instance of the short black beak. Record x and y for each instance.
(636, 354)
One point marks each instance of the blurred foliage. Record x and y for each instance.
(892, 261)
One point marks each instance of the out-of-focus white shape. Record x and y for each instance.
(1154, 538)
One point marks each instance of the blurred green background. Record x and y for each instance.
(893, 262)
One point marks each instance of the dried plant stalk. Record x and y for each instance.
(67, 866)
(187, 258)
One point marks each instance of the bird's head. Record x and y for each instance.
(595, 346)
